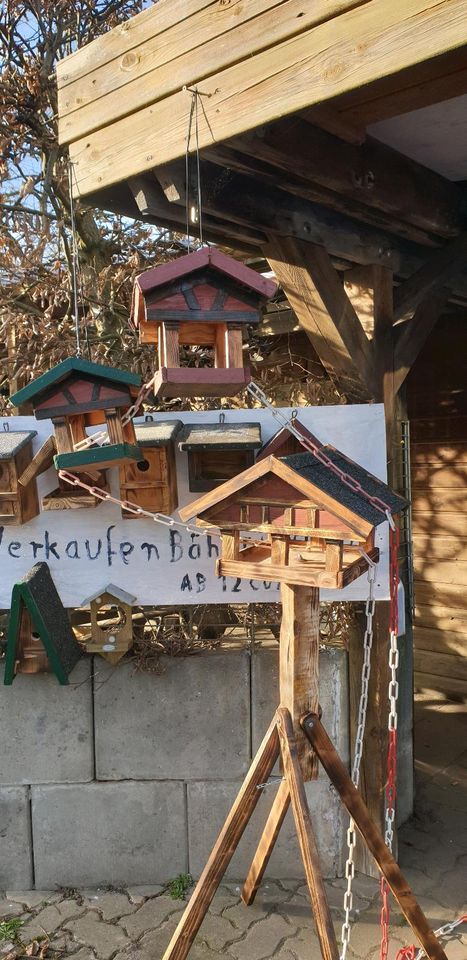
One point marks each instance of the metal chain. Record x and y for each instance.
(411, 953)
(393, 694)
(102, 436)
(317, 451)
(358, 750)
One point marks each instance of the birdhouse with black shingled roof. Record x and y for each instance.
(18, 502)
(151, 482)
(204, 299)
(75, 395)
(218, 451)
(316, 520)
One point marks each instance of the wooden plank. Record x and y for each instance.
(440, 571)
(432, 477)
(356, 808)
(441, 641)
(317, 297)
(306, 837)
(441, 664)
(415, 333)
(266, 844)
(225, 847)
(441, 499)
(443, 548)
(446, 524)
(299, 664)
(441, 429)
(176, 53)
(42, 460)
(434, 594)
(373, 40)
(435, 615)
(435, 273)
(452, 689)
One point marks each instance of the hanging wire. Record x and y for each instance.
(74, 258)
(196, 214)
(198, 170)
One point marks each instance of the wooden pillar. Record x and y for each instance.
(299, 663)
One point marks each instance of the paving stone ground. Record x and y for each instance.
(137, 923)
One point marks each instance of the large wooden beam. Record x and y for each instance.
(317, 296)
(415, 333)
(376, 38)
(366, 174)
(439, 267)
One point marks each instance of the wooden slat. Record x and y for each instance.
(452, 688)
(194, 43)
(442, 499)
(440, 617)
(441, 641)
(442, 548)
(266, 844)
(440, 430)
(373, 40)
(438, 454)
(440, 571)
(441, 664)
(453, 595)
(433, 477)
(442, 524)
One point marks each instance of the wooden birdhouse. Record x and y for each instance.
(111, 622)
(203, 299)
(77, 394)
(39, 635)
(218, 451)
(284, 443)
(18, 503)
(315, 524)
(151, 482)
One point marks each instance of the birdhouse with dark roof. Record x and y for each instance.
(151, 482)
(218, 451)
(316, 519)
(18, 501)
(204, 299)
(75, 395)
(284, 443)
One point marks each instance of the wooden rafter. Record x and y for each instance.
(439, 268)
(317, 296)
(415, 333)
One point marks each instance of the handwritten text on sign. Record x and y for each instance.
(87, 549)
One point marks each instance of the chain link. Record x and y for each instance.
(102, 437)
(358, 750)
(411, 953)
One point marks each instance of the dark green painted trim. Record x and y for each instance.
(97, 455)
(12, 635)
(20, 597)
(58, 373)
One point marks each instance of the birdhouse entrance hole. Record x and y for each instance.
(110, 618)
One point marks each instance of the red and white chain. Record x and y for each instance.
(414, 953)
(102, 437)
(358, 750)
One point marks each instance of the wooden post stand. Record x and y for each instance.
(295, 725)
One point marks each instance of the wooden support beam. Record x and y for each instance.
(439, 268)
(317, 296)
(299, 663)
(415, 332)
(40, 462)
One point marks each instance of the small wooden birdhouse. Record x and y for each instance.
(284, 443)
(77, 394)
(151, 482)
(315, 523)
(111, 622)
(203, 299)
(18, 503)
(39, 635)
(218, 451)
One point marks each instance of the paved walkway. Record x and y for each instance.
(136, 924)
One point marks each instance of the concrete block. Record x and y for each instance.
(108, 833)
(46, 729)
(334, 695)
(15, 838)
(209, 804)
(192, 722)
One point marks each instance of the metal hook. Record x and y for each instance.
(149, 418)
(294, 415)
(222, 418)
(6, 426)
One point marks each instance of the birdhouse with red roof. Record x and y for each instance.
(316, 518)
(204, 299)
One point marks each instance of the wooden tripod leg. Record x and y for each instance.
(224, 847)
(266, 844)
(306, 838)
(357, 809)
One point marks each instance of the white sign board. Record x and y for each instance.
(87, 549)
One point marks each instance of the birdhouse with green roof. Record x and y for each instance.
(316, 519)
(77, 394)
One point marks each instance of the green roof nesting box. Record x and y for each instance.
(76, 394)
(203, 299)
(18, 501)
(316, 524)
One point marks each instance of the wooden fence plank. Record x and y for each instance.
(435, 615)
(441, 641)
(440, 571)
(443, 548)
(438, 453)
(452, 595)
(361, 45)
(451, 688)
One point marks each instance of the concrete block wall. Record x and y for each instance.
(126, 777)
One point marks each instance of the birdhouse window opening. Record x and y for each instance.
(143, 465)
(110, 618)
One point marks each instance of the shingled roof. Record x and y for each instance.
(166, 273)
(60, 372)
(158, 433)
(217, 436)
(308, 467)
(12, 441)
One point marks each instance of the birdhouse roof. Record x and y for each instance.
(116, 592)
(283, 435)
(59, 373)
(158, 433)
(11, 442)
(166, 273)
(313, 481)
(217, 436)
